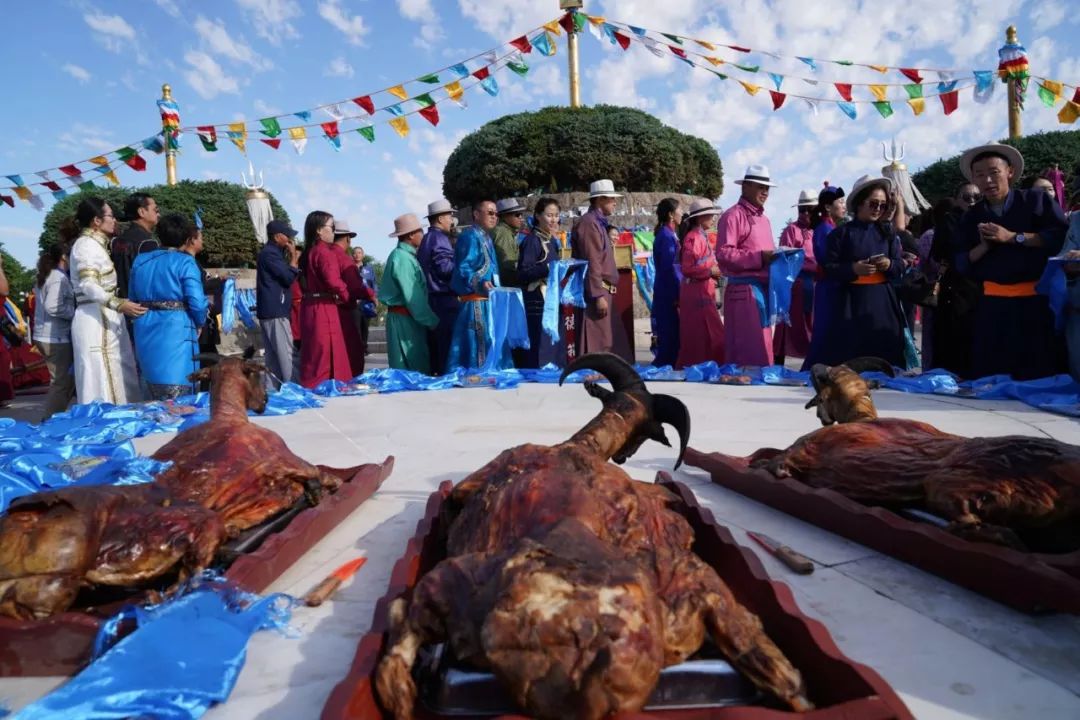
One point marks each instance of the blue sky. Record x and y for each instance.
(82, 78)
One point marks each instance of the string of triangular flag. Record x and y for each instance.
(1053, 91)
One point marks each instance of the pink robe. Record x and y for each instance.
(742, 233)
(794, 340)
(702, 336)
(358, 292)
(324, 353)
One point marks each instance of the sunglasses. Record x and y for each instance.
(875, 205)
(491, 213)
(971, 197)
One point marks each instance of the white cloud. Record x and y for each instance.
(501, 18)
(82, 138)
(169, 7)
(79, 73)
(265, 109)
(218, 40)
(272, 18)
(423, 12)
(353, 27)
(206, 77)
(339, 67)
(112, 31)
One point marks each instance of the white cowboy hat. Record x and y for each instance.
(1011, 155)
(405, 224)
(341, 227)
(702, 207)
(806, 197)
(439, 207)
(602, 188)
(757, 174)
(509, 205)
(868, 181)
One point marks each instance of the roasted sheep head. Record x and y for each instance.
(234, 382)
(573, 583)
(841, 395)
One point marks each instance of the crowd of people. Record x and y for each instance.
(124, 319)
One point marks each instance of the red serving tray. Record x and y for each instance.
(62, 644)
(842, 688)
(1030, 582)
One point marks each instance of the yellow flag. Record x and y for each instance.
(553, 27)
(879, 92)
(401, 125)
(705, 44)
(399, 91)
(99, 160)
(454, 91)
(715, 60)
(1070, 111)
(917, 105)
(111, 177)
(297, 133)
(597, 20)
(880, 68)
(1053, 86)
(239, 128)
(750, 88)
(23, 192)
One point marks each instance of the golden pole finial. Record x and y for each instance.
(572, 54)
(170, 152)
(1015, 129)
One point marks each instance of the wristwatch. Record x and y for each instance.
(1020, 239)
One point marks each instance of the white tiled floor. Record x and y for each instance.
(948, 652)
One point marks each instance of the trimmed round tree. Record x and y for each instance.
(561, 149)
(229, 239)
(1041, 150)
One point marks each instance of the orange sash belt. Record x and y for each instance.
(467, 298)
(875, 278)
(400, 310)
(1010, 290)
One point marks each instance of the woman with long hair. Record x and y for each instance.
(665, 307)
(539, 249)
(103, 360)
(702, 335)
(324, 354)
(829, 214)
(53, 310)
(168, 283)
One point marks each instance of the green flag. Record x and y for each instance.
(271, 128)
(368, 131)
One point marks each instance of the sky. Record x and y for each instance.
(83, 78)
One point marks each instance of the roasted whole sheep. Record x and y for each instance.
(573, 583)
(1019, 491)
(228, 474)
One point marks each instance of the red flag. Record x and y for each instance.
(70, 170)
(1076, 96)
(522, 43)
(567, 23)
(8, 200)
(51, 185)
(431, 114)
(950, 101)
(330, 128)
(912, 74)
(134, 161)
(365, 102)
(481, 74)
(678, 51)
(739, 48)
(272, 142)
(844, 89)
(623, 40)
(778, 99)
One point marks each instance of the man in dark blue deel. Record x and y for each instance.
(277, 268)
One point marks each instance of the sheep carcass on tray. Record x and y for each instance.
(573, 583)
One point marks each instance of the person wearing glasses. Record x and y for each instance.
(511, 219)
(863, 258)
(1005, 241)
(476, 274)
(794, 340)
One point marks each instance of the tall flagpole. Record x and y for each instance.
(572, 47)
(1015, 129)
(170, 146)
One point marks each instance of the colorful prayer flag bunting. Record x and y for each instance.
(334, 111)
(304, 115)
(482, 73)
(7, 200)
(23, 192)
(460, 71)
(298, 138)
(368, 131)
(237, 133)
(17, 179)
(271, 127)
(844, 89)
(673, 38)
(1050, 92)
(553, 27)
(87, 186)
(912, 74)
(394, 110)
(35, 202)
(778, 80)
(491, 87)
(848, 109)
(778, 99)
(623, 40)
(132, 159)
(52, 185)
(707, 45)
(950, 101)
(399, 92)
(69, 170)
(880, 68)
(917, 105)
(364, 102)
(984, 85)
(1070, 111)
(401, 125)
(272, 142)
(170, 114)
(750, 88)
(207, 136)
(431, 114)
(884, 107)
(567, 23)
(544, 44)
(520, 67)
(330, 129)
(879, 92)
(454, 91)
(914, 91)
(522, 44)
(430, 79)
(810, 62)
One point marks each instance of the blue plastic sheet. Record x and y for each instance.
(184, 657)
(783, 271)
(506, 324)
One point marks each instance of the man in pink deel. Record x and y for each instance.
(744, 249)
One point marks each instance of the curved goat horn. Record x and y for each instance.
(618, 372)
(867, 364)
(668, 410)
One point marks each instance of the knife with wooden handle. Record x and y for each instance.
(796, 561)
(327, 587)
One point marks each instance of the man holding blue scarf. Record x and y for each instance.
(744, 249)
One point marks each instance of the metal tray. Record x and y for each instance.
(841, 688)
(1030, 582)
(62, 644)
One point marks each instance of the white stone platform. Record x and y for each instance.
(948, 652)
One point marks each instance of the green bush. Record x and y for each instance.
(229, 239)
(561, 149)
(1040, 152)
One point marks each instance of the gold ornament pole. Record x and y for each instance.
(1014, 102)
(572, 47)
(170, 154)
